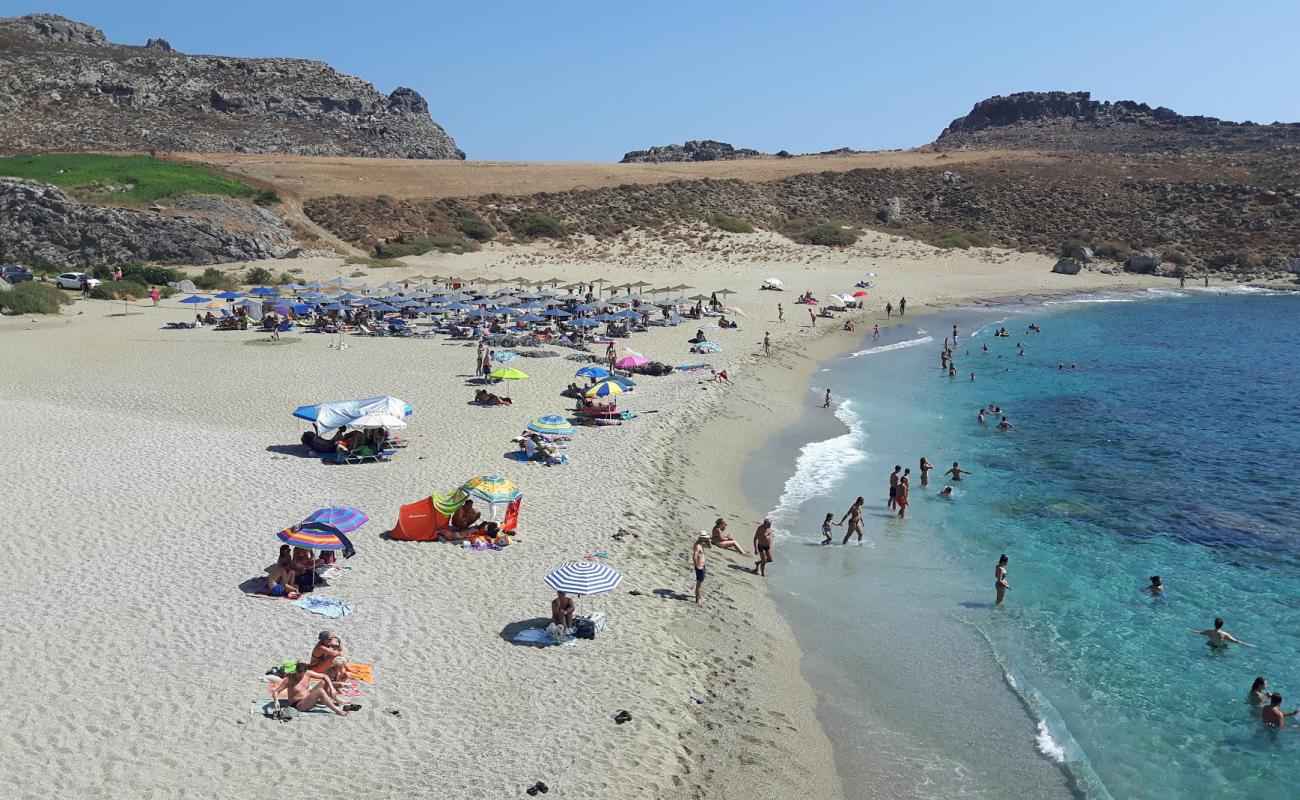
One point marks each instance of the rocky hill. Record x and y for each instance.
(692, 150)
(1073, 121)
(65, 87)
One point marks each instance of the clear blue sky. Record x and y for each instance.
(587, 80)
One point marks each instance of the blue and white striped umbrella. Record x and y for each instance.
(583, 578)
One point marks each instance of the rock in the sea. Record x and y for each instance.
(1068, 266)
(64, 87)
(39, 221)
(1144, 262)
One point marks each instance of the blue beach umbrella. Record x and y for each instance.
(426, 310)
(455, 307)
(593, 372)
(585, 323)
(348, 296)
(529, 318)
(263, 290)
(552, 424)
(606, 318)
(555, 312)
(529, 305)
(583, 578)
(228, 296)
(292, 287)
(629, 314)
(194, 298)
(512, 312)
(332, 307)
(480, 313)
(382, 308)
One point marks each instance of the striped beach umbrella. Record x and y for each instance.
(552, 424)
(605, 389)
(492, 489)
(344, 518)
(593, 372)
(583, 578)
(314, 536)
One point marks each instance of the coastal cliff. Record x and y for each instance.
(65, 87)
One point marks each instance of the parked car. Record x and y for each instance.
(13, 274)
(74, 280)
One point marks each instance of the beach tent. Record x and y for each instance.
(372, 412)
(774, 283)
(429, 519)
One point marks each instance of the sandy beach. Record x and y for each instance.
(161, 463)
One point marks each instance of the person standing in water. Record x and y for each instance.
(1273, 715)
(875, 333)
(827, 403)
(956, 472)
(926, 466)
(826, 527)
(1258, 697)
(763, 546)
(1000, 584)
(1219, 638)
(854, 516)
(1157, 586)
(893, 485)
(904, 486)
(902, 307)
(889, 310)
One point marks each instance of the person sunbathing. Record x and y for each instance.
(465, 517)
(719, 538)
(562, 610)
(338, 671)
(485, 398)
(699, 337)
(282, 582)
(302, 695)
(328, 647)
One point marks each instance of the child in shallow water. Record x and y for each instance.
(826, 528)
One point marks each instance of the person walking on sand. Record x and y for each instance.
(956, 472)
(826, 527)
(904, 486)
(902, 307)
(767, 343)
(812, 317)
(854, 516)
(1219, 638)
(697, 561)
(763, 546)
(925, 467)
(827, 404)
(889, 310)
(153, 295)
(780, 313)
(1000, 584)
(893, 485)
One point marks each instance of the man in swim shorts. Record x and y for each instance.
(763, 546)
(562, 610)
(1219, 638)
(697, 560)
(1274, 716)
(956, 472)
(900, 497)
(893, 485)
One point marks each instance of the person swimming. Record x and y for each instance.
(945, 492)
(1156, 588)
(1257, 699)
(1219, 638)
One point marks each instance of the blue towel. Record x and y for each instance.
(325, 606)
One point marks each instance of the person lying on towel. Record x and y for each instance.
(486, 398)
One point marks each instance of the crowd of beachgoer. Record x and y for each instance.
(294, 571)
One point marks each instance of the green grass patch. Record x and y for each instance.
(214, 279)
(960, 241)
(33, 298)
(420, 245)
(473, 226)
(122, 180)
(828, 235)
(536, 225)
(731, 224)
(1117, 251)
(124, 289)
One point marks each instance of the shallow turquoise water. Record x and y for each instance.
(1171, 450)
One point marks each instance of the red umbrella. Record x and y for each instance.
(859, 294)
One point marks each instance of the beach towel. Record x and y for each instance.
(332, 571)
(325, 606)
(265, 706)
(540, 638)
(362, 672)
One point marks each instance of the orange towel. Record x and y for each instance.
(362, 672)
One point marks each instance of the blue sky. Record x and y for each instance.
(579, 80)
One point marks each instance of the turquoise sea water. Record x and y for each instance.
(1171, 450)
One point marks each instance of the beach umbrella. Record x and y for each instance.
(194, 298)
(636, 298)
(605, 318)
(585, 322)
(628, 314)
(263, 290)
(455, 307)
(583, 578)
(587, 308)
(628, 362)
(604, 389)
(480, 313)
(337, 282)
(311, 296)
(228, 295)
(292, 287)
(383, 308)
(317, 285)
(492, 489)
(512, 312)
(626, 383)
(215, 304)
(640, 284)
(594, 372)
(314, 536)
(860, 294)
(555, 312)
(426, 310)
(529, 305)
(347, 297)
(529, 318)
(617, 301)
(332, 307)
(362, 288)
(345, 518)
(700, 298)
(724, 292)
(681, 287)
(508, 374)
(552, 424)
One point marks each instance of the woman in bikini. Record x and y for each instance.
(302, 695)
(854, 516)
(720, 538)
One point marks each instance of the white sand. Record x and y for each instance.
(142, 492)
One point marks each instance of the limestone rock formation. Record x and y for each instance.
(40, 222)
(692, 150)
(1144, 262)
(65, 87)
(1074, 121)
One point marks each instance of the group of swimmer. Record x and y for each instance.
(900, 489)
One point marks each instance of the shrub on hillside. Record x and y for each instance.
(120, 290)
(33, 298)
(258, 275)
(158, 276)
(266, 197)
(420, 245)
(1116, 251)
(828, 235)
(960, 241)
(731, 224)
(474, 227)
(536, 225)
(1071, 245)
(214, 279)
(1177, 258)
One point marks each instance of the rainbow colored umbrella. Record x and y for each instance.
(552, 424)
(345, 518)
(314, 536)
(605, 389)
(492, 489)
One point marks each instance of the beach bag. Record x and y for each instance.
(584, 628)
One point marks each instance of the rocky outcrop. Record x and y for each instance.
(1144, 262)
(1068, 266)
(65, 87)
(39, 222)
(1074, 121)
(693, 150)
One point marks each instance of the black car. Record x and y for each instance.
(13, 274)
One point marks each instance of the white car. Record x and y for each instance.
(74, 280)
